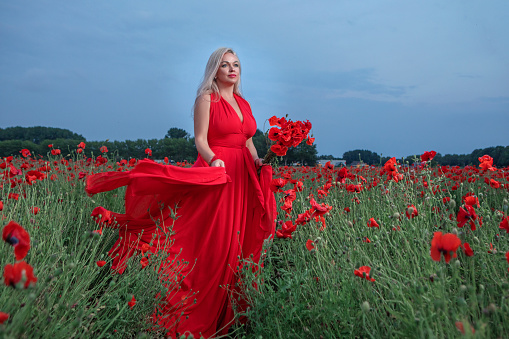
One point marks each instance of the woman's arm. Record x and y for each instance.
(252, 149)
(201, 127)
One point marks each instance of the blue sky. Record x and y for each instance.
(395, 77)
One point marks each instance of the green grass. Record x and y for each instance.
(298, 293)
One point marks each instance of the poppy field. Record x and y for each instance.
(370, 251)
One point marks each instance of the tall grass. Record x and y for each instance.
(315, 294)
(298, 293)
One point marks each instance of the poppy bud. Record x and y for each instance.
(397, 215)
(476, 240)
(457, 263)
(365, 306)
(452, 204)
(454, 231)
(410, 210)
(463, 288)
(349, 223)
(461, 301)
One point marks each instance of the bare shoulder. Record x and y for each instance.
(202, 104)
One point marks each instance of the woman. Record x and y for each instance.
(225, 209)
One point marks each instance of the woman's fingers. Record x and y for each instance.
(217, 163)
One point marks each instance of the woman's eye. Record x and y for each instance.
(236, 65)
(224, 65)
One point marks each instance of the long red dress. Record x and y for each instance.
(224, 214)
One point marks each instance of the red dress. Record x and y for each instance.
(221, 216)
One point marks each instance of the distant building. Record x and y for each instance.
(358, 164)
(336, 163)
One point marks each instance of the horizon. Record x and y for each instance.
(338, 156)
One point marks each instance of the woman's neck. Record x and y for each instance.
(225, 91)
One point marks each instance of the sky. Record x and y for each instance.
(396, 77)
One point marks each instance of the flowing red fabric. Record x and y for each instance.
(223, 214)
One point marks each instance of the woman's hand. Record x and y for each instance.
(258, 162)
(217, 163)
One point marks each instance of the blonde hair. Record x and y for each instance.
(208, 84)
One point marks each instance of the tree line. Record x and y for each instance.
(500, 155)
(177, 145)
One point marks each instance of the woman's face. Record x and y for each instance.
(229, 69)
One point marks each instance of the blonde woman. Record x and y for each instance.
(226, 210)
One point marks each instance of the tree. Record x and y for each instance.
(177, 133)
(303, 154)
(37, 134)
(368, 157)
(327, 157)
(260, 143)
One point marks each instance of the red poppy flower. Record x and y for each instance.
(25, 153)
(3, 317)
(287, 229)
(144, 262)
(132, 302)
(103, 149)
(14, 196)
(275, 121)
(466, 215)
(144, 248)
(148, 152)
(467, 249)
(50, 145)
(277, 184)
(18, 237)
(373, 223)
(101, 215)
(101, 263)
(310, 244)
(504, 224)
(1, 205)
(363, 272)
(274, 134)
(79, 150)
(411, 211)
(279, 150)
(444, 244)
(471, 200)
(486, 163)
(428, 156)
(494, 183)
(20, 272)
(461, 328)
(81, 145)
(55, 152)
(35, 210)
(507, 257)
(310, 141)
(319, 209)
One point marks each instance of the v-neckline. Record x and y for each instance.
(236, 113)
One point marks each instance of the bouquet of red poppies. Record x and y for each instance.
(286, 134)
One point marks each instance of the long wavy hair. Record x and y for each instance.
(208, 84)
